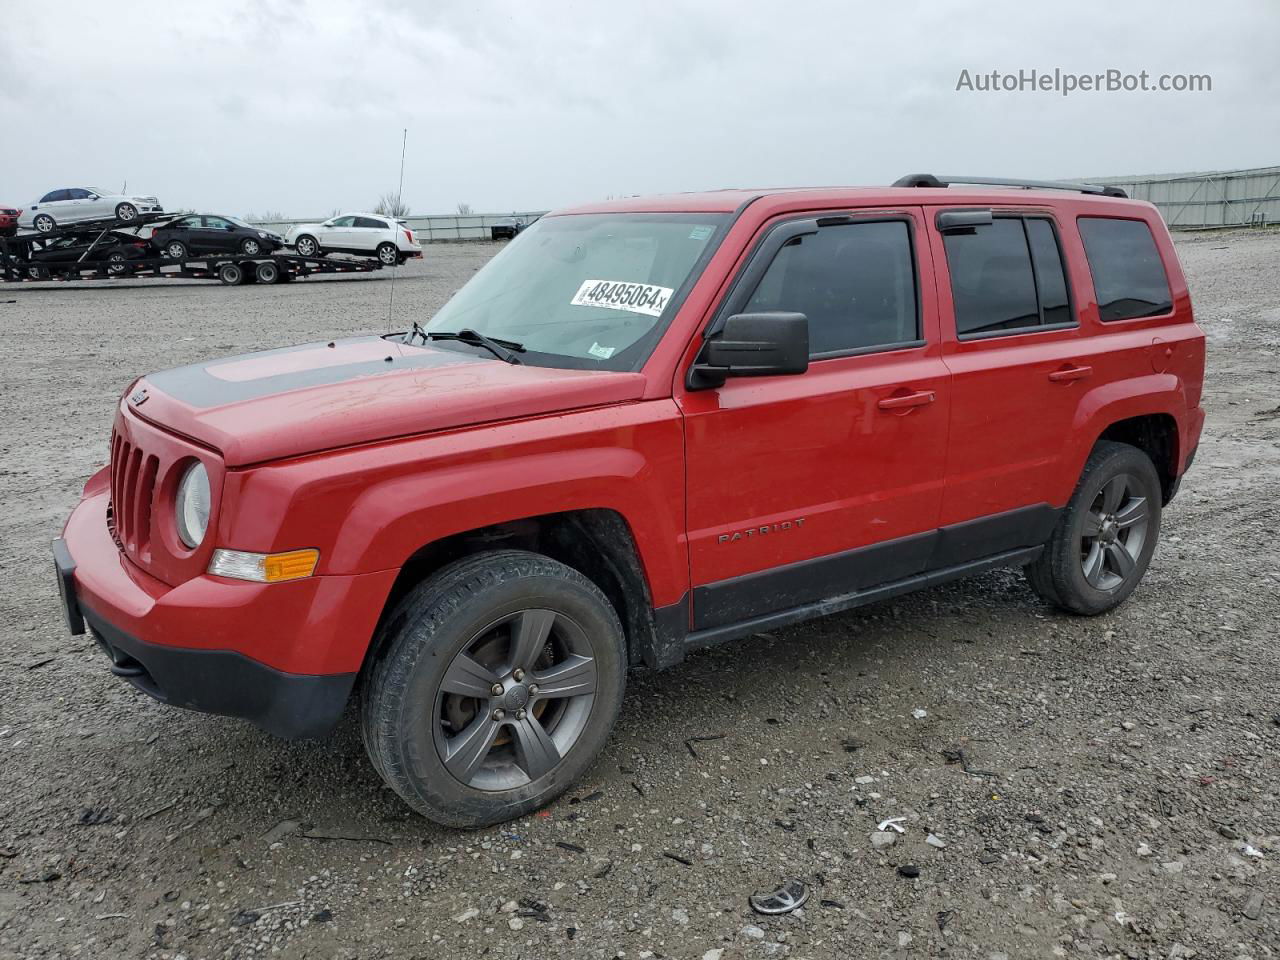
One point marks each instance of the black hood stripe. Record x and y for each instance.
(196, 387)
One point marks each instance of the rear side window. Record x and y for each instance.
(855, 282)
(1007, 276)
(370, 224)
(1128, 274)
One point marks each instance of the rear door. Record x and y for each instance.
(1019, 363)
(367, 233)
(816, 485)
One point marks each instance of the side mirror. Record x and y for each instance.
(753, 345)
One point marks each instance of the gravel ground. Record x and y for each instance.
(1102, 787)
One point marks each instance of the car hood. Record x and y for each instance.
(299, 400)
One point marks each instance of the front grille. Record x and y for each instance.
(133, 481)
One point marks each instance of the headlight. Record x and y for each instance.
(192, 505)
(264, 235)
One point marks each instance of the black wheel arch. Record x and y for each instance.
(598, 543)
(1156, 435)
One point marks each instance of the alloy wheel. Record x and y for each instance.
(251, 247)
(1114, 531)
(515, 700)
(387, 254)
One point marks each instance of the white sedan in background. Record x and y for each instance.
(78, 204)
(390, 240)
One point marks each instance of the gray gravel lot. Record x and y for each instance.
(1104, 787)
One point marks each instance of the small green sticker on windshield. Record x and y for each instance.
(700, 233)
(604, 353)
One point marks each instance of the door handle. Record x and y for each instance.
(907, 400)
(1068, 374)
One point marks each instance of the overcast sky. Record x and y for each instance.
(298, 107)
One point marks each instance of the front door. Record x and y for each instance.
(337, 233)
(818, 485)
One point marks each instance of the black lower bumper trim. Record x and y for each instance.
(289, 705)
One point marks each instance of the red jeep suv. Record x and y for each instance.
(646, 426)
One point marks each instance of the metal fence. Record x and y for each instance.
(433, 227)
(1219, 198)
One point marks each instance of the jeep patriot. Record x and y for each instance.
(644, 427)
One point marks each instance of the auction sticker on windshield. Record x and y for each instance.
(619, 295)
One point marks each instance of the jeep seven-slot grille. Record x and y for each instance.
(133, 481)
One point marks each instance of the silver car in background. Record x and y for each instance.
(78, 204)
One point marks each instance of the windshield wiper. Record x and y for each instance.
(502, 349)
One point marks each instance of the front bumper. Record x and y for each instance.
(284, 659)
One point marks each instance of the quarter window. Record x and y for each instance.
(1007, 276)
(1129, 279)
(855, 282)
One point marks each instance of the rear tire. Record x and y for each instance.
(175, 250)
(1106, 536)
(230, 274)
(388, 254)
(267, 272)
(307, 246)
(126, 211)
(116, 264)
(43, 223)
(509, 621)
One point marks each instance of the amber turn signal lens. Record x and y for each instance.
(293, 565)
(264, 567)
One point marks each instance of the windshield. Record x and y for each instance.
(593, 290)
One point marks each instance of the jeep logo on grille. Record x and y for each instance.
(139, 398)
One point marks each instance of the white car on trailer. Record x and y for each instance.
(363, 234)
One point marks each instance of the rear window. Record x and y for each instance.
(1007, 277)
(1128, 274)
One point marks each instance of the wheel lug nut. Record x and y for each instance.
(499, 714)
(519, 714)
(496, 689)
(533, 688)
(518, 674)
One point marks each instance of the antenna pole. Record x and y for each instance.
(395, 215)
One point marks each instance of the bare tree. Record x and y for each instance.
(464, 209)
(267, 216)
(390, 205)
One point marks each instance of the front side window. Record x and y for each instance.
(78, 194)
(217, 223)
(855, 282)
(1129, 279)
(342, 221)
(589, 291)
(1007, 276)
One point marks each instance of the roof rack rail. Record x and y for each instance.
(929, 180)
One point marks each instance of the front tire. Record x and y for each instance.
(267, 272)
(1106, 536)
(43, 223)
(250, 247)
(116, 264)
(307, 247)
(388, 254)
(126, 211)
(499, 680)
